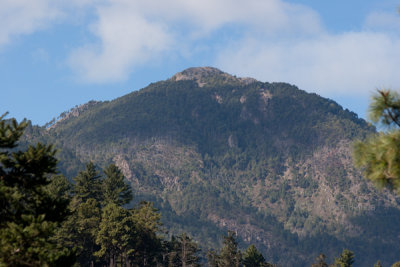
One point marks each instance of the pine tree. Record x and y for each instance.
(148, 245)
(253, 258)
(184, 252)
(88, 184)
(115, 235)
(29, 214)
(379, 155)
(115, 189)
(80, 230)
(60, 187)
(346, 259)
(94, 210)
(230, 255)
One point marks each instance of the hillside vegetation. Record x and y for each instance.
(215, 152)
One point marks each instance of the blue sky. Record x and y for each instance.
(58, 54)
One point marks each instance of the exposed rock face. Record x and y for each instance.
(198, 73)
(123, 165)
(209, 76)
(73, 112)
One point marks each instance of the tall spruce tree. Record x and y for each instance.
(115, 189)
(88, 184)
(116, 235)
(29, 214)
(81, 228)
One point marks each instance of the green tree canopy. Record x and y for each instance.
(88, 184)
(115, 235)
(115, 189)
(253, 258)
(29, 214)
(184, 252)
(229, 255)
(148, 245)
(346, 259)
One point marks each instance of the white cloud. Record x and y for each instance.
(208, 15)
(345, 64)
(274, 40)
(126, 39)
(383, 21)
(130, 33)
(24, 17)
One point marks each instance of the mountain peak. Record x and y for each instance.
(209, 76)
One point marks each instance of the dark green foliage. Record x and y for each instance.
(380, 158)
(114, 187)
(60, 187)
(253, 258)
(346, 259)
(29, 214)
(379, 155)
(148, 249)
(100, 229)
(81, 228)
(87, 184)
(183, 252)
(115, 235)
(230, 255)
(385, 108)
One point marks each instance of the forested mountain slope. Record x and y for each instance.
(216, 152)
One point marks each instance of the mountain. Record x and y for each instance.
(216, 152)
